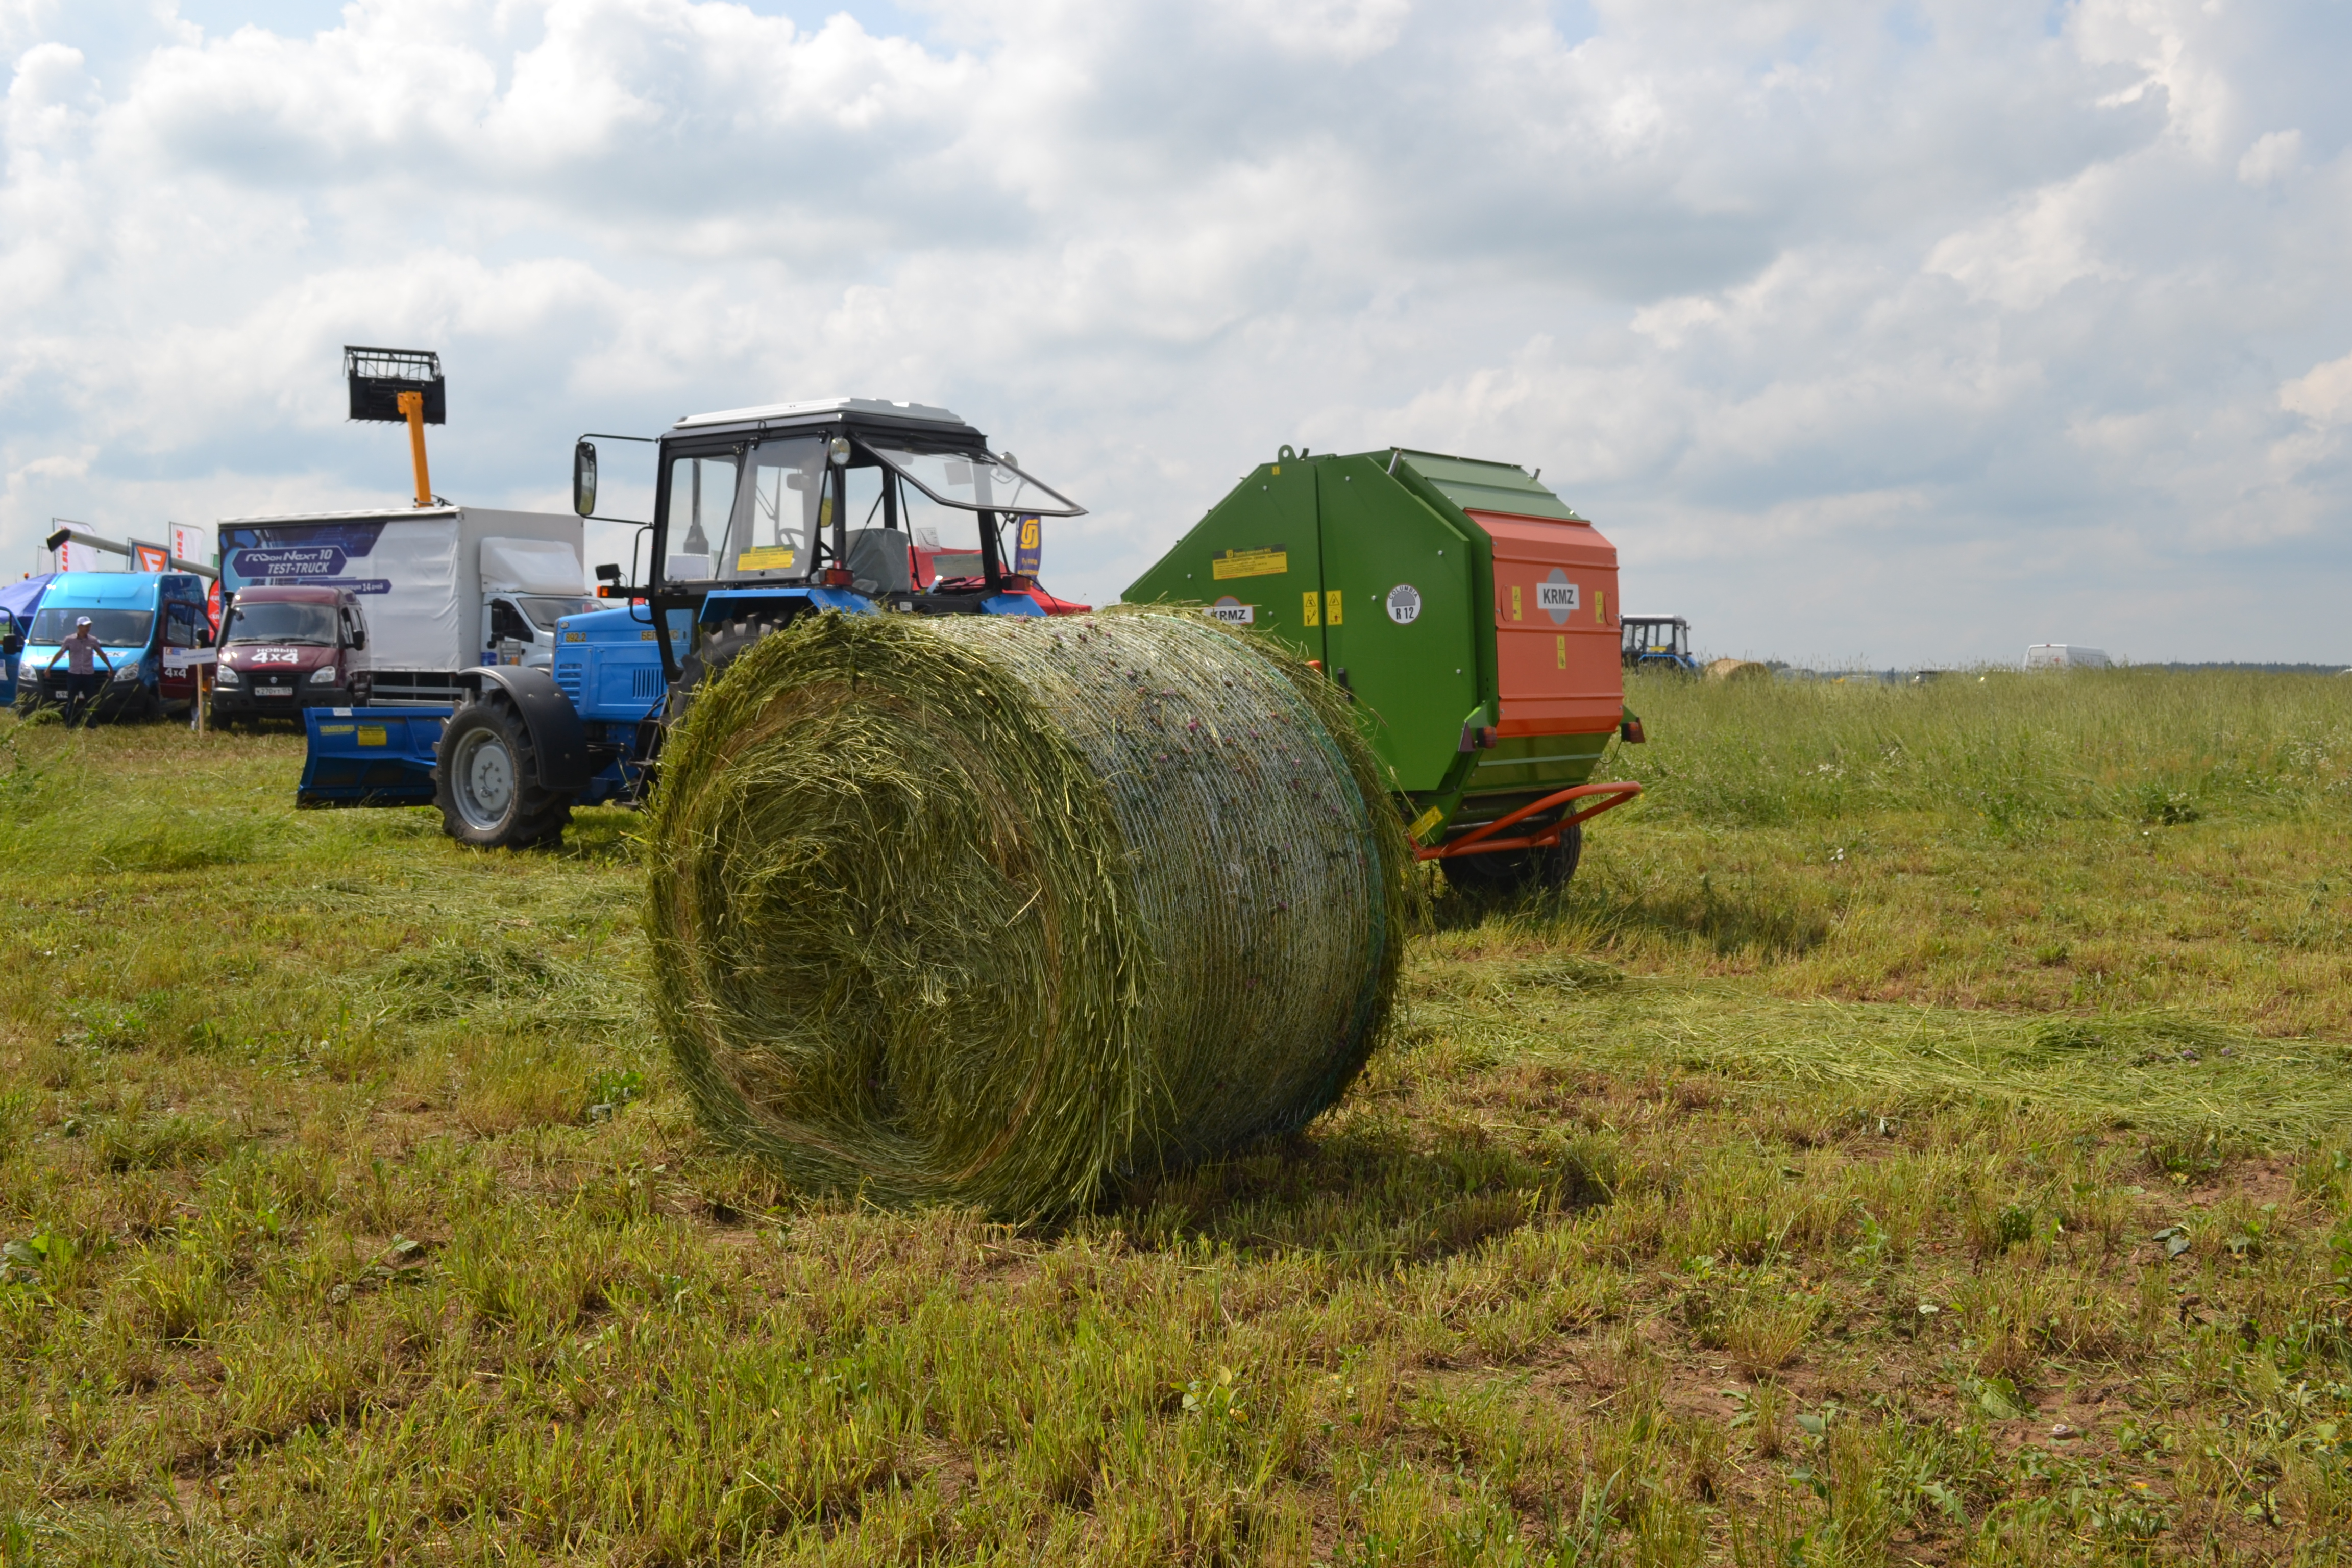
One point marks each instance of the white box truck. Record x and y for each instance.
(442, 589)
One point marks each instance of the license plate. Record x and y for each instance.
(274, 690)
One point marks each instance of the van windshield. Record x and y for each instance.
(115, 628)
(545, 612)
(281, 622)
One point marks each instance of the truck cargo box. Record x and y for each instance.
(441, 587)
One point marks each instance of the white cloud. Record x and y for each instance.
(2272, 158)
(2022, 257)
(2322, 394)
(1346, 30)
(50, 98)
(1941, 323)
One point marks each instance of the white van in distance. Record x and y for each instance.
(2064, 656)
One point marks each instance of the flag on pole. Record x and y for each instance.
(190, 543)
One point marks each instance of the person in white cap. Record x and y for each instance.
(83, 654)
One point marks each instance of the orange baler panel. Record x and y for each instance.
(1557, 665)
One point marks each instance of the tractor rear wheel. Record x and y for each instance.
(1517, 871)
(486, 780)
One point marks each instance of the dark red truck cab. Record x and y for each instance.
(285, 649)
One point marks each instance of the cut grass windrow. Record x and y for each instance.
(2158, 1072)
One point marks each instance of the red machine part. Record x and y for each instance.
(1021, 586)
(1558, 669)
(1485, 840)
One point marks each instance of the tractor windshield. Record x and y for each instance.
(780, 503)
(971, 481)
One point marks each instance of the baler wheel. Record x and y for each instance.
(1517, 871)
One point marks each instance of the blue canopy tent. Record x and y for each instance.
(17, 603)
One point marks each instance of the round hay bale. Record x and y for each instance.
(986, 909)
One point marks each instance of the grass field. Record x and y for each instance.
(1922, 1134)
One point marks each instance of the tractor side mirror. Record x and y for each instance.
(608, 572)
(584, 479)
(12, 643)
(359, 637)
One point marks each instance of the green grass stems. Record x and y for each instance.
(2013, 750)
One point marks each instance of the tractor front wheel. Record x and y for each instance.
(486, 780)
(1517, 871)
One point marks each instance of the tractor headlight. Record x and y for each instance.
(323, 677)
(127, 672)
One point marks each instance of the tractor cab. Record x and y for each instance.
(1657, 642)
(849, 503)
(760, 516)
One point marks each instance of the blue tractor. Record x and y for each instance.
(760, 516)
(1657, 642)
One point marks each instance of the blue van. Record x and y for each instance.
(18, 602)
(135, 616)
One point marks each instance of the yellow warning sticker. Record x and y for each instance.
(1424, 823)
(1267, 561)
(1514, 601)
(1560, 646)
(766, 558)
(1332, 608)
(374, 735)
(1310, 611)
(1600, 605)
(334, 728)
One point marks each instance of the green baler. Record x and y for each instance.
(1468, 611)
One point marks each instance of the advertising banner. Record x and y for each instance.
(73, 555)
(149, 557)
(190, 543)
(405, 571)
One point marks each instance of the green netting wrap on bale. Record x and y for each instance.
(986, 909)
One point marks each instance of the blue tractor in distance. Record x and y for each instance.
(1657, 642)
(760, 516)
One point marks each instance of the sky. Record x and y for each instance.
(1897, 334)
